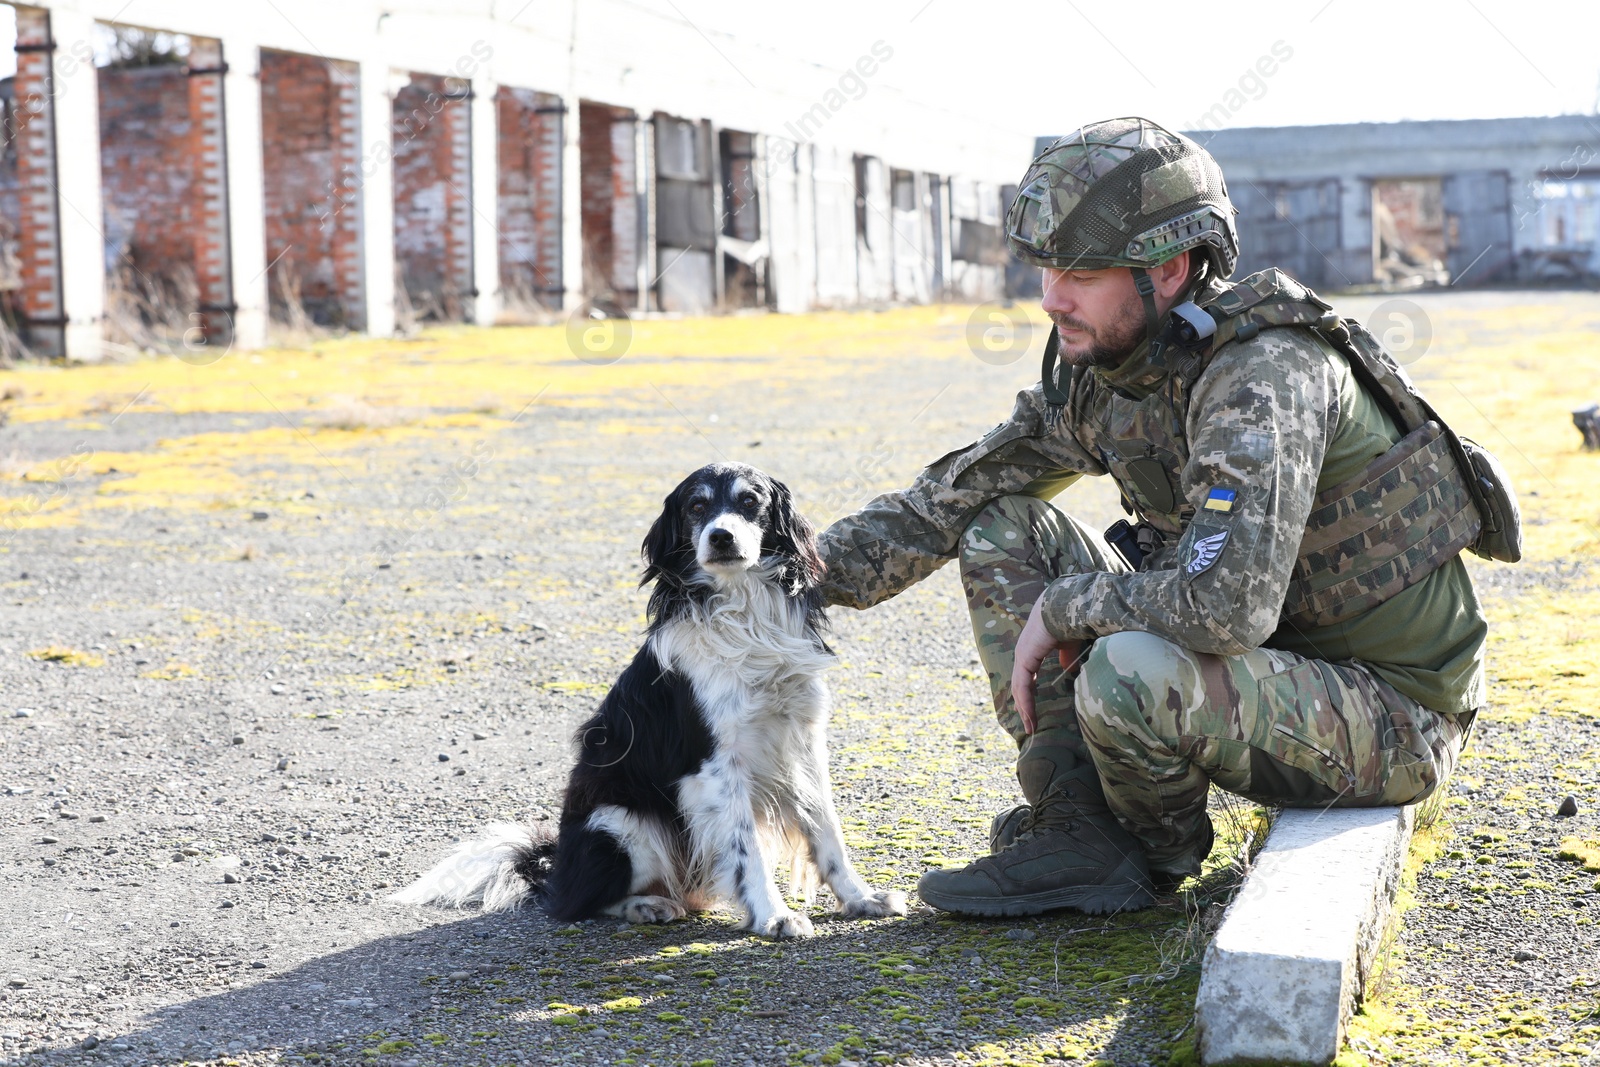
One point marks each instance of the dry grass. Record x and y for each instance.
(354, 413)
(291, 325)
(148, 313)
(14, 465)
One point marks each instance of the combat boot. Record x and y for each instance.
(1066, 850)
(1003, 827)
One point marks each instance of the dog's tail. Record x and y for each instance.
(500, 871)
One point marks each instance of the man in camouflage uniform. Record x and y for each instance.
(1130, 691)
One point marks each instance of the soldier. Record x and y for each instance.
(1296, 625)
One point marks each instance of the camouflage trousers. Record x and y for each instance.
(1161, 723)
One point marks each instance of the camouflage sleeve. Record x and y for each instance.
(900, 538)
(1258, 425)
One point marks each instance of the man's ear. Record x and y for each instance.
(1172, 277)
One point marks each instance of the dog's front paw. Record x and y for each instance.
(875, 905)
(651, 910)
(784, 924)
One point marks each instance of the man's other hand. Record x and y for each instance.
(1032, 647)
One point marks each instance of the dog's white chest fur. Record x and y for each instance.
(756, 671)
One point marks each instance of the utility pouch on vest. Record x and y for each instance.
(1382, 531)
(1487, 482)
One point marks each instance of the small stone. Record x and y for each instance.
(119, 1046)
(283, 764)
(1523, 955)
(65, 814)
(665, 979)
(259, 516)
(48, 840)
(444, 757)
(1019, 934)
(330, 857)
(18, 982)
(269, 839)
(722, 980)
(383, 853)
(258, 965)
(89, 1042)
(226, 904)
(97, 818)
(1568, 808)
(230, 878)
(238, 739)
(278, 689)
(460, 772)
(459, 976)
(476, 736)
(22, 713)
(963, 737)
(49, 863)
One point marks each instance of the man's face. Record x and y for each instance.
(1097, 313)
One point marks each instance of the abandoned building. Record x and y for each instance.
(1402, 205)
(1407, 204)
(362, 164)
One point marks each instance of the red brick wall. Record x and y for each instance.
(607, 180)
(530, 141)
(308, 137)
(39, 241)
(146, 170)
(207, 159)
(594, 150)
(432, 196)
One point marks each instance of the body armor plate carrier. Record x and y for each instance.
(1409, 511)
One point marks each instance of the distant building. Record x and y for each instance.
(1403, 204)
(359, 163)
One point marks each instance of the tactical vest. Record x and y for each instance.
(1407, 513)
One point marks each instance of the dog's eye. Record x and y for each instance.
(748, 501)
(697, 508)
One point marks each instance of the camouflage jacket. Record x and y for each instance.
(1267, 424)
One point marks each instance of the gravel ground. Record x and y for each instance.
(270, 675)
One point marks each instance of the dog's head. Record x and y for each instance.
(726, 519)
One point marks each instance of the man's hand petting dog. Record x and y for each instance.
(1033, 646)
(721, 725)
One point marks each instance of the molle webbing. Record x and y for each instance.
(1404, 516)
(1397, 521)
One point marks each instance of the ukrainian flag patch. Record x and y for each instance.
(1221, 499)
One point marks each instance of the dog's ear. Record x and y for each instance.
(791, 537)
(664, 542)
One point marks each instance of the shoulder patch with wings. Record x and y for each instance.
(1204, 552)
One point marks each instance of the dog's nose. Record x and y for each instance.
(721, 540)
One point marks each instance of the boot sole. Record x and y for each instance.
(1092, 900)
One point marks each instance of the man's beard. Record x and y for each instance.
(1111, 345)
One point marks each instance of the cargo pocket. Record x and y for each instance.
(1301, 724)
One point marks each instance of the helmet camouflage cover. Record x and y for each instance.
(1122, 193)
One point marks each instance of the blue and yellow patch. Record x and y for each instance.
(1221, 499)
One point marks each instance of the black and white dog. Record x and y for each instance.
(707, 762)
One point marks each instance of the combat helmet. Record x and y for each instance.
(1122, 193)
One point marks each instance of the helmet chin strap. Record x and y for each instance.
(1152, 320)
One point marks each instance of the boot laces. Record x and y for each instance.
(1041, 817)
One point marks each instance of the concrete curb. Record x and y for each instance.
(1286, 968)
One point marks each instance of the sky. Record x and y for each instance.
(1048, 66)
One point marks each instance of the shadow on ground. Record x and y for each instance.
(518, 988)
